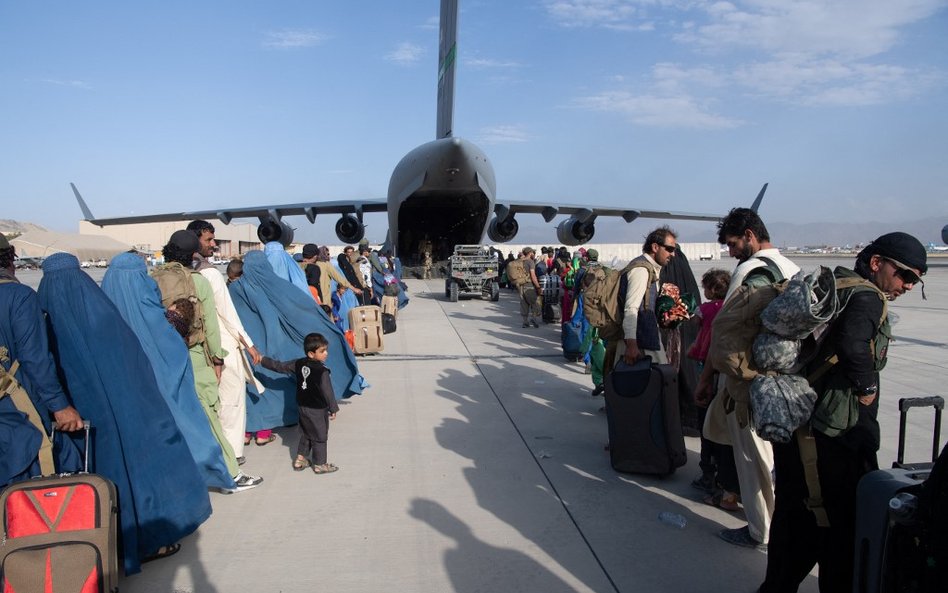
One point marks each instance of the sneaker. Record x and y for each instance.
(241, 460)
(704, 482)
(246, 482)
(741, 537)
(533, 323)
(599, 389)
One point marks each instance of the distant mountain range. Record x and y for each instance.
(8, 227)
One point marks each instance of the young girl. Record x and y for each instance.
(718, 473)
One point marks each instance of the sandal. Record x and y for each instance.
(266, 441)
(300, 463)
(723, 500)
(163, 552)
(326, 468)
(247, 439)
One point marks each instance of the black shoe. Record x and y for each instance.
(526, 324)
(704, 482)
(741, 537)
(598, 389)
(533, 323)
(241, 460)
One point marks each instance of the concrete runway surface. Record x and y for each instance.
(475, 462)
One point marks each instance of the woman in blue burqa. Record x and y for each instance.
(284, 266)
(278, 317)
(136, 443)
(138, 300)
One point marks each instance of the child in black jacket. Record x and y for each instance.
(316, 400)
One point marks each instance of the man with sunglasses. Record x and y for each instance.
(642, 289)
(760, 264)
(892, 264)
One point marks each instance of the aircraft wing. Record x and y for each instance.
(549, 212)
(275, 212)
(586, 213)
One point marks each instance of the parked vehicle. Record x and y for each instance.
(472, 271)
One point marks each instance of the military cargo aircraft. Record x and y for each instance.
(442, 193)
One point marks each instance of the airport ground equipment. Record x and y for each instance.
(472, 271)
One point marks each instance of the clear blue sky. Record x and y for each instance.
(686, 104)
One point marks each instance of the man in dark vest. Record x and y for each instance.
(892, 264)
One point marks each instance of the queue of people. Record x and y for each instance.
(181, 356)
(140, 356)
(739, 469)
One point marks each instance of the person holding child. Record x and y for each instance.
(316, 400)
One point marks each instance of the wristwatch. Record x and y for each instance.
(864, 391)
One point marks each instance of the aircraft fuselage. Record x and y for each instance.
(443, 192)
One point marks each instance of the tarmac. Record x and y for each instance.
(476, 462)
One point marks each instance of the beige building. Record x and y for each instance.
(150, 237)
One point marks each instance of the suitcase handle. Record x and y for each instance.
(905, 403)
(87, 427)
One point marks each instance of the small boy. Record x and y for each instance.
(316, 401)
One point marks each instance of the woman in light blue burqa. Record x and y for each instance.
(136, 443)
(285, 267)
(138, 300)
(278, 316)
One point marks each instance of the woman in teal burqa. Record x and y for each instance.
(136, 443)
(278, 316)
(138, 300)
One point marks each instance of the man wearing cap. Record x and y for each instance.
(530, 290)
(892, 264)
(23, 339)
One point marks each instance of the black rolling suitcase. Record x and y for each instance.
(892, 536)
(644, 421)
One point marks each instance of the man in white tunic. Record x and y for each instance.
(747, 240)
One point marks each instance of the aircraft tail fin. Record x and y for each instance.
(760, 198)
(86, 213)
(447, 58)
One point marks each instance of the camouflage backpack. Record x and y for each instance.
(175, 283)
(517, 272)
(604, 296)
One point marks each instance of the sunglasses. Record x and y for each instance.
(670, 248)
(907, 276)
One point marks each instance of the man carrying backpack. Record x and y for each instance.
(528, 285)
(179, 285)
(639, 320)
(748, 241)
(857, 341)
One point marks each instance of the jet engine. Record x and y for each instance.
(574, 232)
(349, 229)
(275, 231)
(501, 231)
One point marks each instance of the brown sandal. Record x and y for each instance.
(326, 468)
(261, 442)
(300, 463)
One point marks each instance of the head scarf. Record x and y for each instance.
(138, 300)
(110, 380)
(283, 265)
(277, 319)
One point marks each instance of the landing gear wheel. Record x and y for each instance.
(453, 292)
(494, 291)
(447, 288)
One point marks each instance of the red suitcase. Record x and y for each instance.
(59, 534)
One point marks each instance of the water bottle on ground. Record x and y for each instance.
(902, 506)
(673, 519)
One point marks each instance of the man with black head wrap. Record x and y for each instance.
(892, 264)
